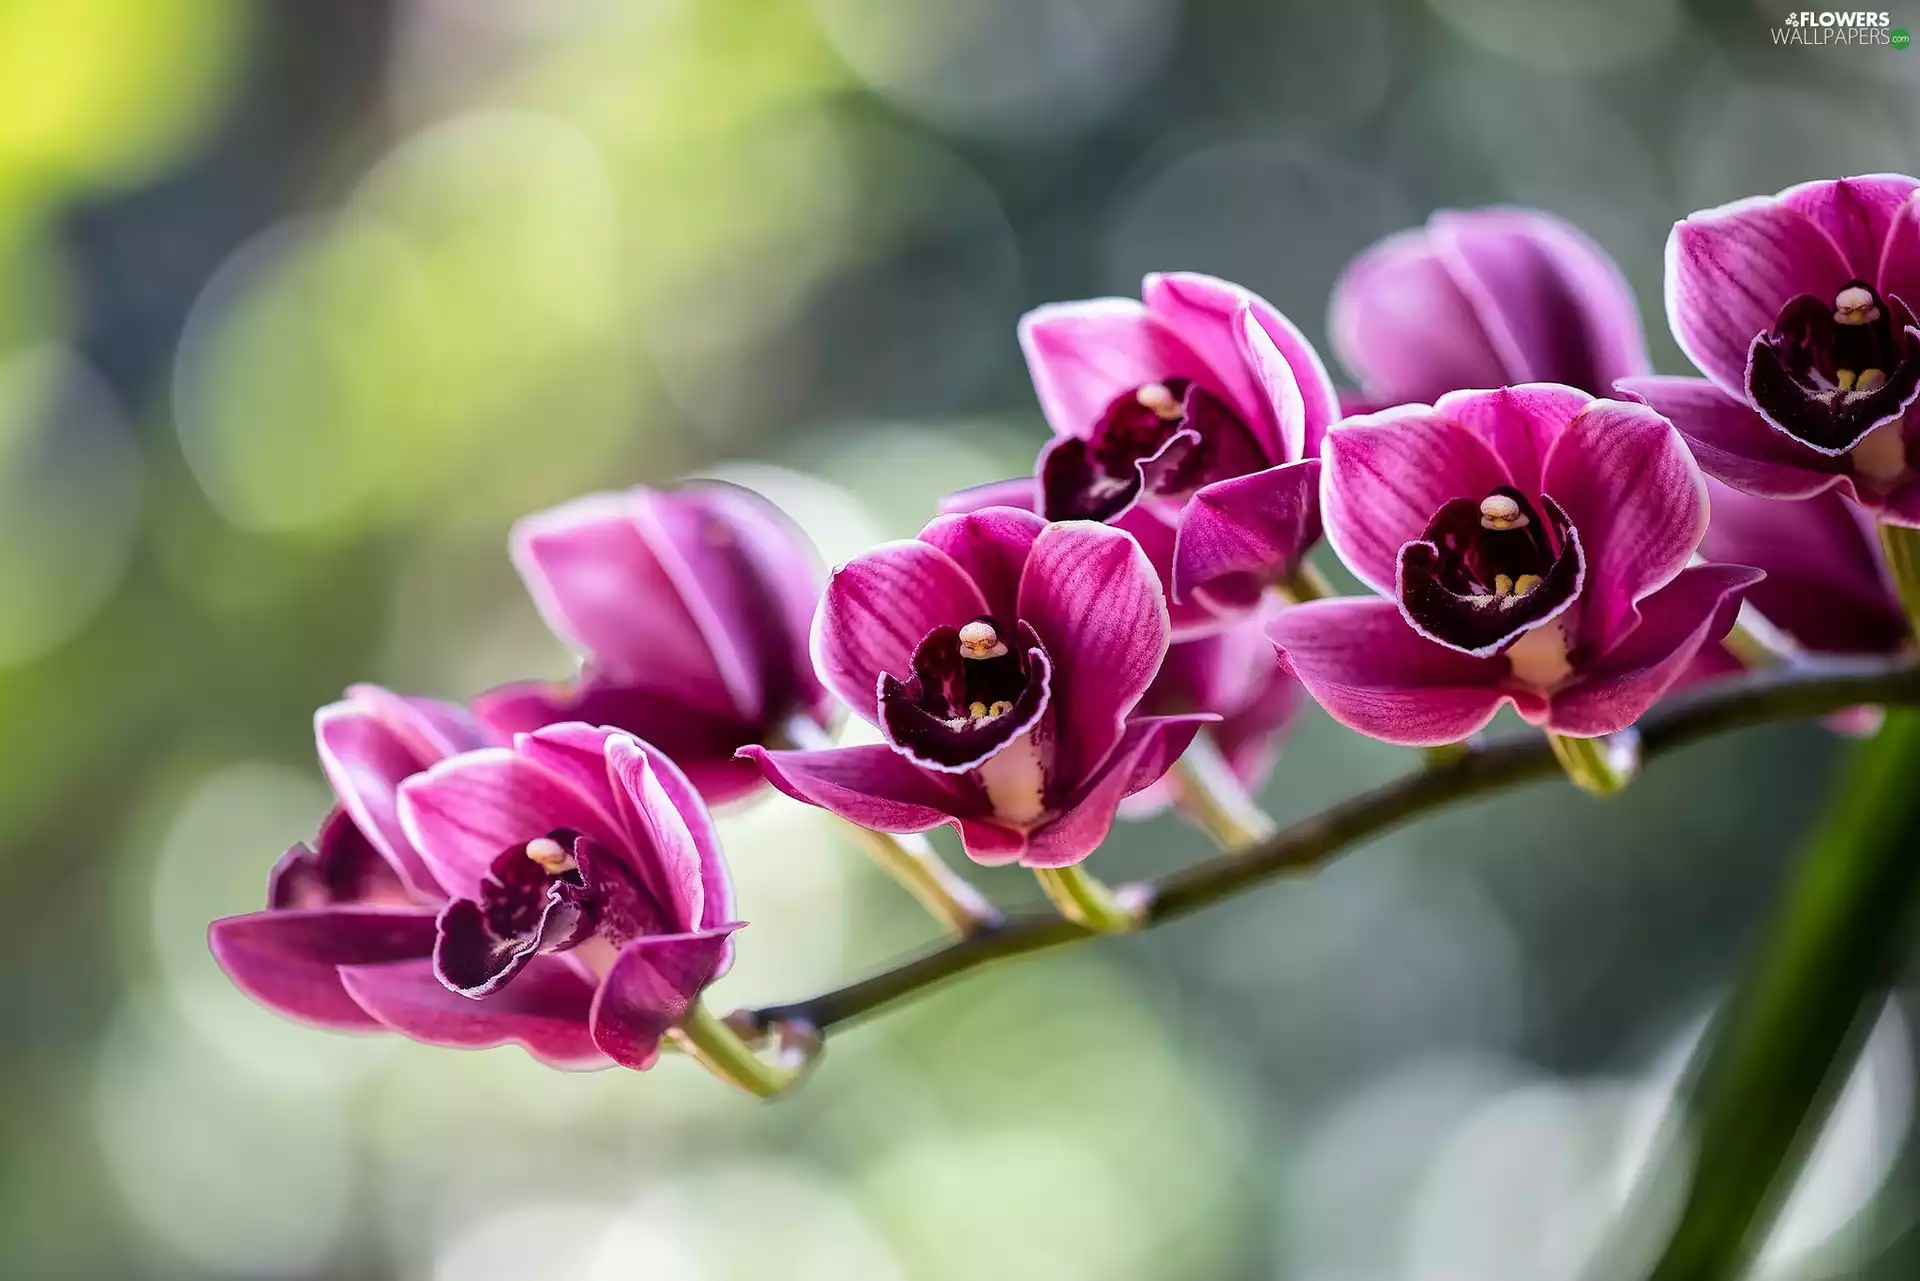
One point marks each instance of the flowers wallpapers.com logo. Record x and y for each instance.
(1841, 27)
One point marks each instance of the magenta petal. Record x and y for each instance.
(1729, 272)
(1259, 525)
(1022, 492)
(871, 785)
(1693, 610)
(1402, 324)
(991, 545)
(1519, 424)
(1731, 442)
(431, 727)
(1899, 268)
(1082, 355)
(366, 760)
(662, 837)
(289, 960)
(1204, 311)
(545, 1009)
(342, 868)
(1625, 478)
(1097, 605)
(991, 844)
(596, 571)
(1202, 612)
(1826, 584)
(463, 812)
(878, 608)
(1856, 214)
(1371, 671)
(1142, 757)
(649, 989)
(1549, 298)
(1385, 476)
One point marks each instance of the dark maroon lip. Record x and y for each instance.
(1159, 440)
(1474, 582)
(1829, 383)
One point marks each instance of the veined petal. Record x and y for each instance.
(877, 609)
(1385, 475)
(1082, 355)
(662, 837)
(991, 545)
(1732, 443)
(1856, 213)
(1144, 754)
(1550, 299)
(1020, 491)
(871, 785)
(1729, 272)
(432, 727)
(1400, 321)
(1371, 671)
(544, 1009)
(342, 868)
(1259, 525)
(1098, 607)
(1203, 311)
(289, 960)
(649, 989)
(1625, 478)
(1519, 424)
(366, 761)
(1693, 610)
(1899, 269)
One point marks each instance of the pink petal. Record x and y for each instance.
(1405, 328)
(434, 729)
(1204, 312)
(878, 607)
(1083, 354)
(1550, 300)
(991, 545)
(871, 785)
(1729, 272)
(1694, 610)
(1364, 664)
(1732, 443)
(649, 989)
(1204, 610)
(1144, 754)
(1098, 607)
(366, 760)
(1826, 583)
(1283, 438)
(1856, 214)
(1519, 424)
(289, 960)
(1898, 272)
(1259, 525)
(1625, 478)
(662, 838)
(1384, 477)
(545, 1009)
(463, 812)
(596, 568)
(1022, 492)
(990, 844)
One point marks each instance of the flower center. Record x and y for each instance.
(1160, 440)
(1830, 371)
(1486, 573)
(968, 696)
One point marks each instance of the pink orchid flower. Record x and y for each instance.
(1530, 546)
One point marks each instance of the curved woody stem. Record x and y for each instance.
(1777, 694)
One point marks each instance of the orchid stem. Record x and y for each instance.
(719, 1048)
(1902, 546)
(911, 859)
(1746, 645)
(1086, 900)
(1444, 754)
(1601, 766)
(1304, 583)
(1211, 795)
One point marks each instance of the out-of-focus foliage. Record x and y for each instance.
(302, 304)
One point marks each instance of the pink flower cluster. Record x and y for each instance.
(543, 869)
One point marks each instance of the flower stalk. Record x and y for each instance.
(1086, 900)
(719, 1047)
(1600, 766)
(1208, 792)
(1304, 582)
(1902, 547)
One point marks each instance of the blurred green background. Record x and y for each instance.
(302, 304)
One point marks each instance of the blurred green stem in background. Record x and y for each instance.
(1601, 766)
(1211, 794)
(1304, 583)
(1085, 899)
(911, 859)
(1759, 1091)
(1902, 546)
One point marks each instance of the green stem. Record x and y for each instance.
(1902, 546)
(1212, 795)
(1445, 754)
(1759, 1094)
(1304, 583)
(1601, 766)
(722, 1051)
(1085, 900)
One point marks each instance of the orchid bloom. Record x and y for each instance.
(1484, 298)
(1003, 660)
(1798, 308)
(691, 607)
(566, 894)
(1530, 546)
(1191, 418)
